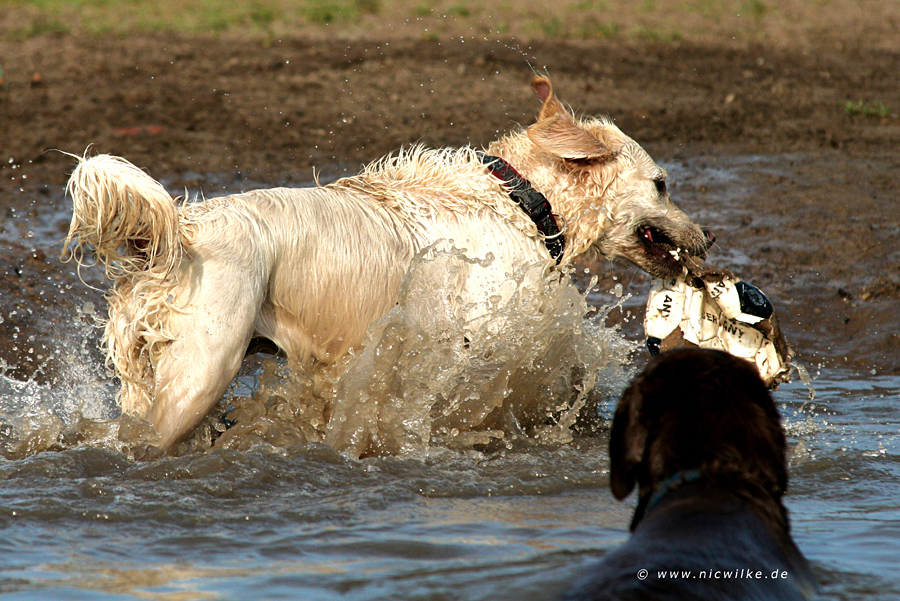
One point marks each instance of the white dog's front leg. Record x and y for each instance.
(195, 369)
(190, 381)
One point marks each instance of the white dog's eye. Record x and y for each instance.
(580, 162)
(660, 186)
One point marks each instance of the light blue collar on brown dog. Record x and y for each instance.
(671, 484)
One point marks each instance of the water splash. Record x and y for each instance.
(525, 365)
(63, 405)
(527, 369)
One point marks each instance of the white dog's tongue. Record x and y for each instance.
(718, 311)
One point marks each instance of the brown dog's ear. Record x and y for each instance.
(626, 442)
(561, 136)
(544, 90)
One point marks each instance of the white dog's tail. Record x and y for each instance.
(126, 215)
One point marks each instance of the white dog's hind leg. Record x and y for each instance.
(195, 369)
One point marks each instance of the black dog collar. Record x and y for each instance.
(532, 202)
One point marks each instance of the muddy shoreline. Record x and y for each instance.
(820, 235)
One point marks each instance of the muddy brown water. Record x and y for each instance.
(280, 517)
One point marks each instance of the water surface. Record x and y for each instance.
(292, 518)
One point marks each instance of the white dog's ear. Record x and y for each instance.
(544, 90)
(561, 136)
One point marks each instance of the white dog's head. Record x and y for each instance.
(612, 195)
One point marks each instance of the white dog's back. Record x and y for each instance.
(329, 262)
(308, 268)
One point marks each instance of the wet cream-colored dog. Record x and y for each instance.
(311, 268)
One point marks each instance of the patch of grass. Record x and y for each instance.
(589, 5)
(40, 25)
(652, 20)
(460, 9)
(262, 16)
(323, 12)
(707, 8)
(327, 12)
(120, 17)
(553, 28)
(867, 109)
(655, 35)
(597, 29)
(584, 28)
(368, 7)
(216, 20)
(755, 8)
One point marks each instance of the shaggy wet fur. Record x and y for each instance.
(310, 269)
(700, 436)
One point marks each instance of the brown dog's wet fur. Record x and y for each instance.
(700, 436)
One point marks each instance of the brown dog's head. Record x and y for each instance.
(695, 409)
(612, 195)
